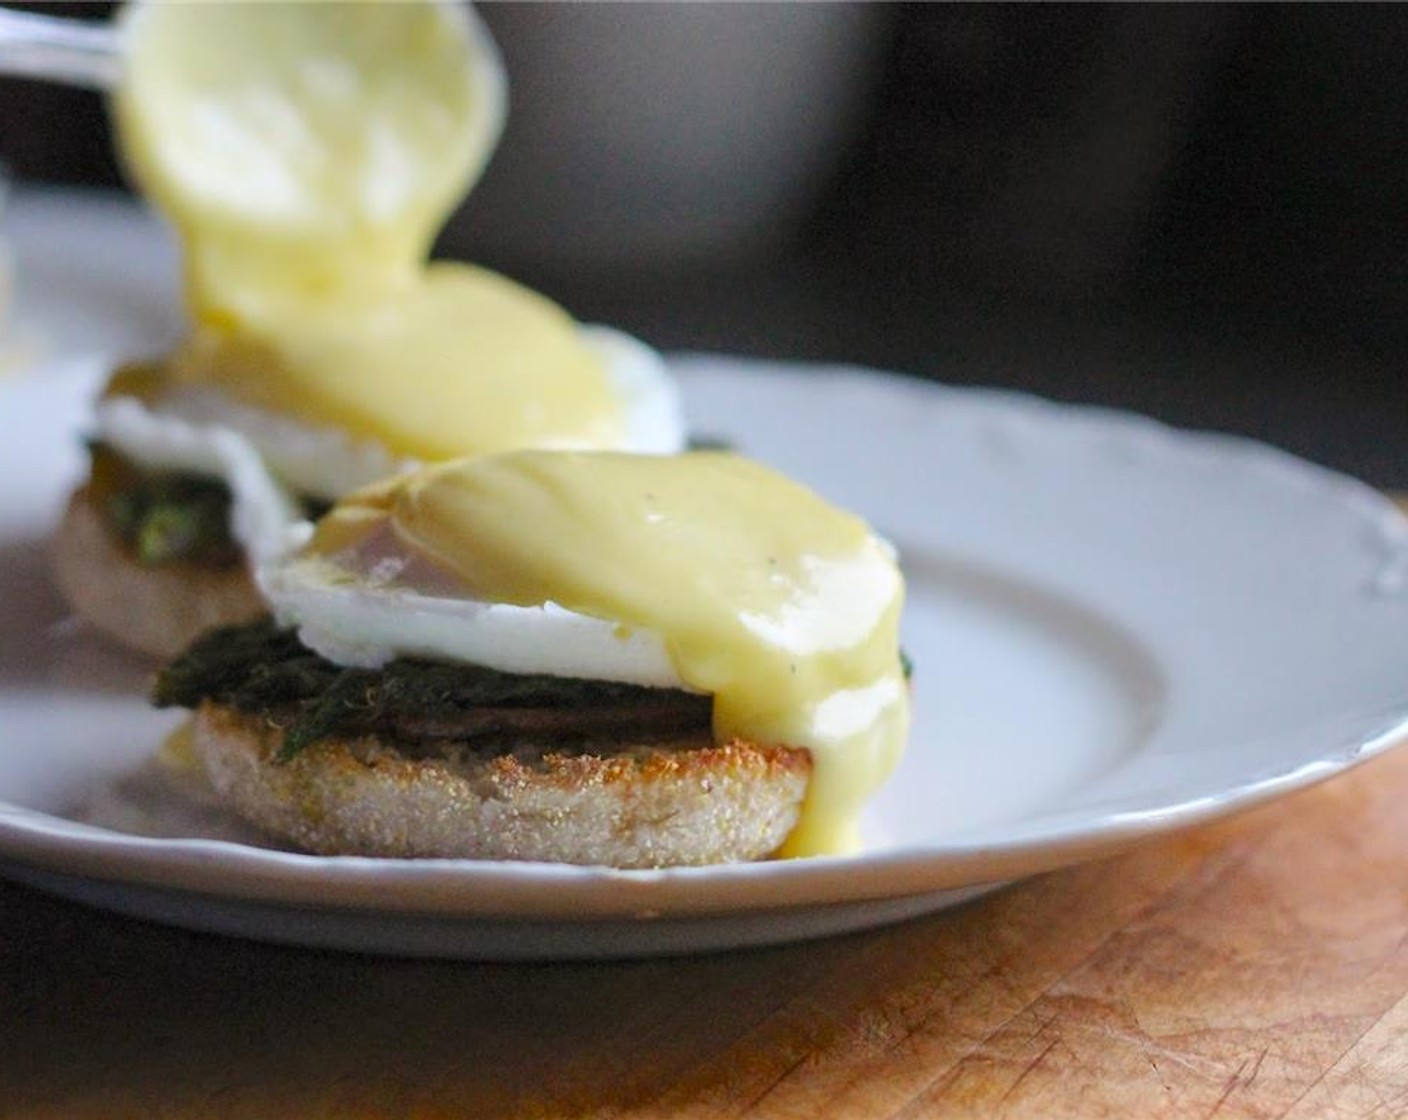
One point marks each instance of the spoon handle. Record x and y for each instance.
(70, 52)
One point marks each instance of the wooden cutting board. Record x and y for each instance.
(1256, 968)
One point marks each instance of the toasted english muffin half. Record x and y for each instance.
(157, 610)
(622, 804)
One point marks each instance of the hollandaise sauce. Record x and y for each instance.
(461, 361)
(307, 155)
(782, 607)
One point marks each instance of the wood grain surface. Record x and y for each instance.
(1254, 968)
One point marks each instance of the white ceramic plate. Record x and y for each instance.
(1118, 629)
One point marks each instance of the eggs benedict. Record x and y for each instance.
(306, 155)
(588, 657)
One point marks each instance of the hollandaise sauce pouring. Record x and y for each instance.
(307, 155)
(782, 607)
(303, 148)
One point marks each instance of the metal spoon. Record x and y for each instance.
(68, 51)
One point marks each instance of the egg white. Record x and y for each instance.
(367, 619)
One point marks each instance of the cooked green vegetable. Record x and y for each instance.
(163, 516)
(168, 516)
(262, 669)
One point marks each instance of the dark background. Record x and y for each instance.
(1199, 212)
